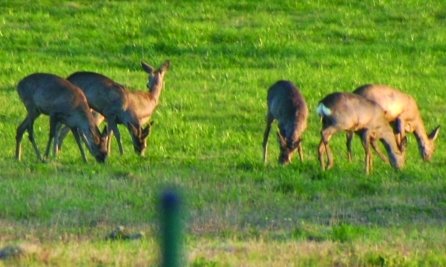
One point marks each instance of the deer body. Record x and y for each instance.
(64, 103)
(121, 106)
(288, 107)
(354, 113)
(402, 111)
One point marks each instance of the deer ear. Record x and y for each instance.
(165, 66)
(147, 68)
(434, 134)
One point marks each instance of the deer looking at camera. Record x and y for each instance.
(288, 107)
(121, 106)
(402, 112)
(64, 103)
(354, 113)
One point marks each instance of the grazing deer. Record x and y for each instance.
(64, 103)
(288, 107)
(354, 113)
(121, 106)
(402, 112)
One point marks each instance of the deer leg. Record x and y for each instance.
(326, 135)
(349, 136)
(113, 127)
(321, 152)
(77, 137)
(61, 133)
(27, 125)
(53, 129)
(378, 151)
(269, 121)
(325, 148)
(19, 136)
(365, 137)
(401, 134)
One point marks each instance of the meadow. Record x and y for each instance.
(207, 136)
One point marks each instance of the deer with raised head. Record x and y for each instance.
(120, 105)
(286, 105)
(402, 112)
(65, 104)
(354, 113)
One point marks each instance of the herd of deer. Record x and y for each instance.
(85, 99)
(374, 112)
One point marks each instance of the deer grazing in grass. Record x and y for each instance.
(286, 105)
(121, 106)
(354, 113)
(402, 112)
(64, 103)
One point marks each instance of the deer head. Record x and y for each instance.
(139, 137)
(287, 148)
(156, 76)
(96, 142)
(427, 149)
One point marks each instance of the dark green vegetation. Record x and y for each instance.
(208, 132)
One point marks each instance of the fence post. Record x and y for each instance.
(171, 229)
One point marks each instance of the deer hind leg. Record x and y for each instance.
(324, 148)
(349, 136)
(365, 138)
(269, 121)
(27, 125)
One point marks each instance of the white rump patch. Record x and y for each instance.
(322, 110)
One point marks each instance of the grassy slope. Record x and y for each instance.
(209, 125)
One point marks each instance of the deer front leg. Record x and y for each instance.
(349, 136)
(378, 151)
(79, 143)
(269, 121)
(400, 134)
(365, 138)
(53, 131)
(113, 127)
(61, 133)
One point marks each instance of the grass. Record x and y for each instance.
(208, 129)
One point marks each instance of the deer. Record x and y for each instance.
(402, 112)
(119, 105)
(64, 103)
(354, 113)
(286, 105)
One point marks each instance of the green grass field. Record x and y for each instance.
(208, 133)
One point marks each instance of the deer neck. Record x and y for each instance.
(155, 91)
(420, 135)
(395, 156)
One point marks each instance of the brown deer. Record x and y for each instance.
(64, 103)
(286, 105)
(402, 112)
(354, 113)
(121, 106)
